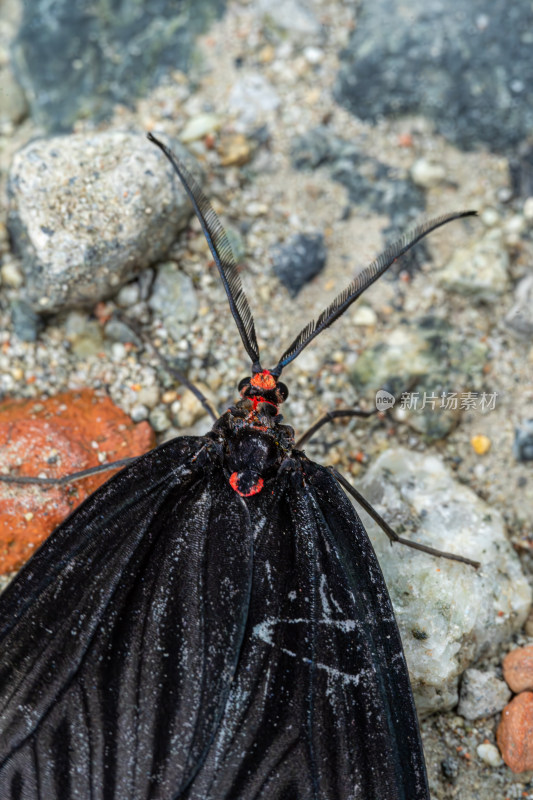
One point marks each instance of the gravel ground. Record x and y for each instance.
(265, 202)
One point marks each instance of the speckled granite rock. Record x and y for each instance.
(448, 613)
(89, 212)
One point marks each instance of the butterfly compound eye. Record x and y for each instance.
(242, 384)
(283, 391)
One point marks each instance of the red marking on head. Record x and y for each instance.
(263, 380)
(255, 489)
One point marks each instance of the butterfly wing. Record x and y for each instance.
(321, 705)
(114, 664)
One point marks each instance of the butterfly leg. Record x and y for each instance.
(329, 417)
(75, 476)
(179, 376)
(393, 536)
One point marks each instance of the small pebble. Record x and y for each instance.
(427, 173)
(490, 217)
(159, 420)
(118, 352)
(11, 274)
(199, 126)
(128, 295)
(528, 209)
(523, 442)
(148, 396)
(518, 668)
(234, 150)
(489, 753)
(482, 694)
(26, 322)
(528, 627)
(481, 444)
(299, 260)
(364, 315)
(139, 412)
(313, 55)
(515, 733)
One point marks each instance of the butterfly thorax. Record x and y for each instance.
(254, 438)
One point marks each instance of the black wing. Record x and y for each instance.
(119, 639)
(321, 706)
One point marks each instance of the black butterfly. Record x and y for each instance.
(212, 623)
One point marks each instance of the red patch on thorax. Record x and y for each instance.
(255, 489)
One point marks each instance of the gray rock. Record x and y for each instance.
(466, 66)
(299, 260)
(523, 442)
(174, 299)
(478, 271)
(159, 420)
(448, 613)
(26, 323)
(84, 334)
(520, 317)
(128, 295)
(80, 59)
(88, 212)
(118, 331)
(139, 412)
(482, 694)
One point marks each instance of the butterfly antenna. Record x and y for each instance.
(362, 281)
(222, 253)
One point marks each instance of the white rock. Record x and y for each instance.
(427, 173)
(490, 754)
(11, 274)
(490, 217)
(199, 126)
(448, 613)
(364, 315)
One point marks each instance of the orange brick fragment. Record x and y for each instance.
(52, 437)
(518, 668)
(515, 733)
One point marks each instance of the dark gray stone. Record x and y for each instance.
(523, 442)
(299, 260)
(88, 212)
(467, 66)
(371, 184)
(79, 58)
(26, 322)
